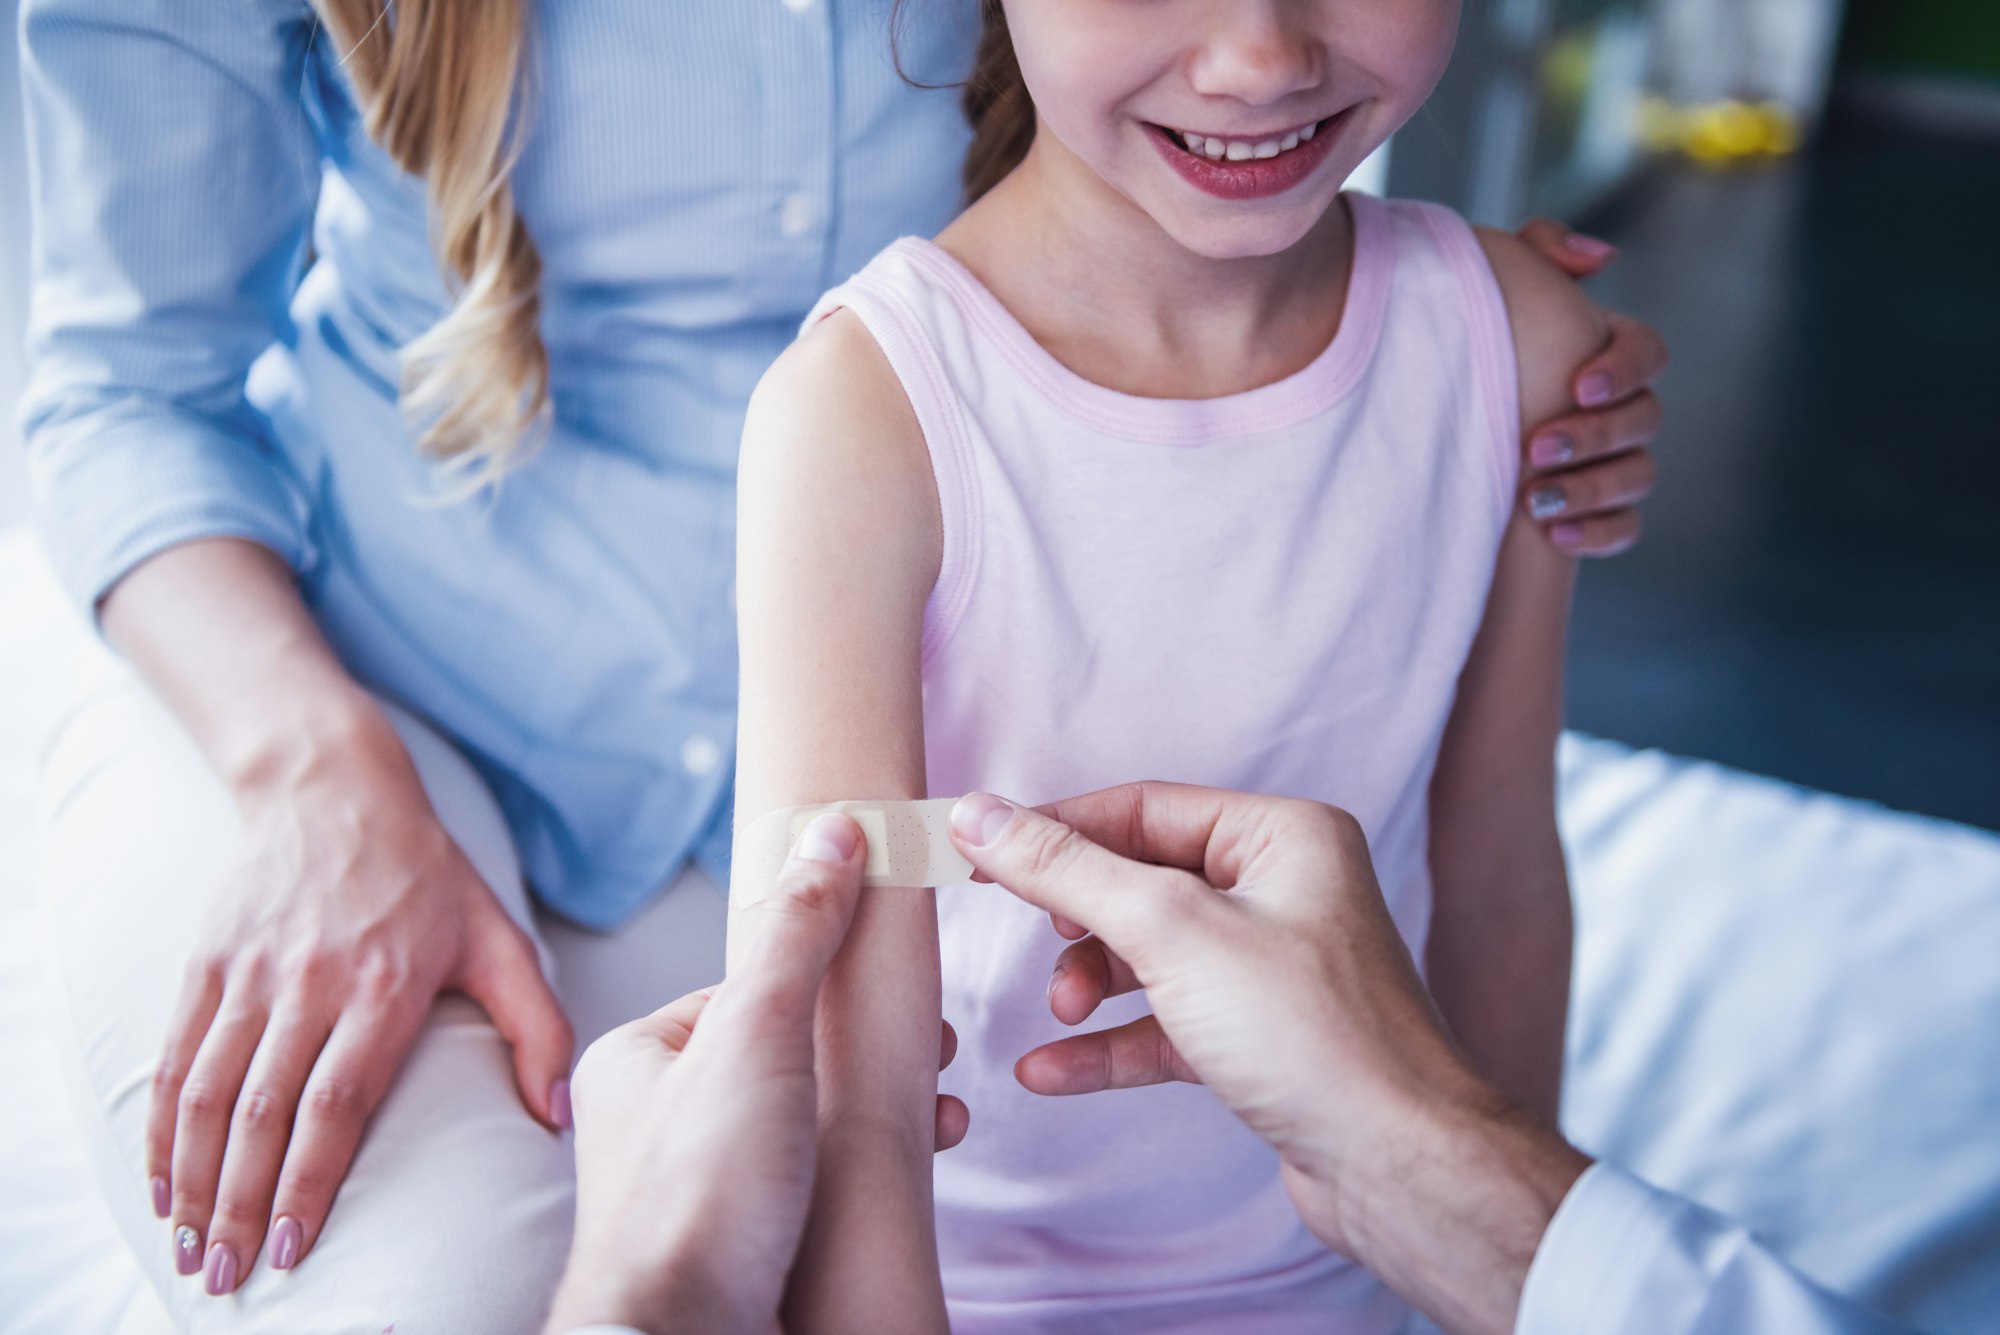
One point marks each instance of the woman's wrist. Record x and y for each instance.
(311, 732)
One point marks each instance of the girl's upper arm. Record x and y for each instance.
(839, 537)
(1509, 706)
(175, 175)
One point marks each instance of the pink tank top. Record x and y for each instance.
(1272, 591)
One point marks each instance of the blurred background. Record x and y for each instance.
(1807, 196)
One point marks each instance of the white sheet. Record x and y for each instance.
(1787, 1005)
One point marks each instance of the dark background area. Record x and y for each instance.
(1818, 592)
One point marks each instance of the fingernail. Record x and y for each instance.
(1595, 391)
(285, 1239)
(1589, 246)
(1547, 503)
(1056, 978)
(187, 1249)
(163, 1199)
(829, 839)
(220, 1275)
(979, 818)
(1567, 536)
(1550, 450)
(559, 1109)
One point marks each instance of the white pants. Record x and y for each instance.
(456, 1214)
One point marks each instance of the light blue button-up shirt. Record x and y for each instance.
(225, 266)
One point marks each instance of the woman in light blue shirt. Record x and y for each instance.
(228, 264)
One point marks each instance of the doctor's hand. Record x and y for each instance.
(697, 1125)
(1586, 472)
(1277, 978)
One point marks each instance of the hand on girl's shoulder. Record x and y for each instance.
(1557, 327)
(833, 462)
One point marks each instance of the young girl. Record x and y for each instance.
(1165, 460)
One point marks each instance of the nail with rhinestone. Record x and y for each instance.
(187, 1249)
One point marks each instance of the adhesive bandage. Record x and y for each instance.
(909, 844)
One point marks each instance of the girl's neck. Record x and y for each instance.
(1113, 297)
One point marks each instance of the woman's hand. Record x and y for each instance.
(347, 910)
(1588, 471)
(698, 1125)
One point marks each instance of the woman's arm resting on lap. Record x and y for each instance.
(1499, 949)
(838, 545)
(347, 909)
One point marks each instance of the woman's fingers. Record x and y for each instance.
(1633, 359)
(1579, 255)
(1617, 483)
(259, 1131)
(1085, 974)
(194, 1011)
(1569, 443)
(505, 978)
(201, 1125)
(353, 1072)
(1130, 1055)
(1600, 535)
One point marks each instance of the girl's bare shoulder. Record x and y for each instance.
(1557, 327)
(833, 456)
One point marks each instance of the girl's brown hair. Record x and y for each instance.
(997, 105)
(440, 82)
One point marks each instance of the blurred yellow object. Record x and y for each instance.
(1719, 132)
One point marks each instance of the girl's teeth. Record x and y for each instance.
(1215, 150)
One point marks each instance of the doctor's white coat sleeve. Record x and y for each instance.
(1622, 1256)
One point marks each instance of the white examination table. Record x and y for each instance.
(1787, 1006)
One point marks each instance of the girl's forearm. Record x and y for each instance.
(869, 1258)
(1499, 964)
(218, 628)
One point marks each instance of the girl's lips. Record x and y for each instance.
(1250, 178)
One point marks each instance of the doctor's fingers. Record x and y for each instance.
(1126, 1057)
(1140, 909)
(1085, 974)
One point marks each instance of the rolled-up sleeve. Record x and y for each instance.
(173, 174)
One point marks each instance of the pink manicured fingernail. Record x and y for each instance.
(1589, 246)
(219, 1276)
(830, 839)
(285, 1239)
(1547, 503)
(187, 1249)
(1596, 389)
(1566, 535)
(163, 1199)
(559, 1109)
(979, 817)
(1550, 450)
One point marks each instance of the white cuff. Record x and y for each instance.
(1621, 1255)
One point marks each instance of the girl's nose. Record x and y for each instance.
(1259, 52)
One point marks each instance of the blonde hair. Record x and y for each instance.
(439, 82)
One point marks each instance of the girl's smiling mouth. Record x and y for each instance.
(1248, 166)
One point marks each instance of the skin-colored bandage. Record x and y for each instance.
(909, 844)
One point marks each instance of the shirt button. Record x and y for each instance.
(700, 755)
(798, 6)
(795, 215)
